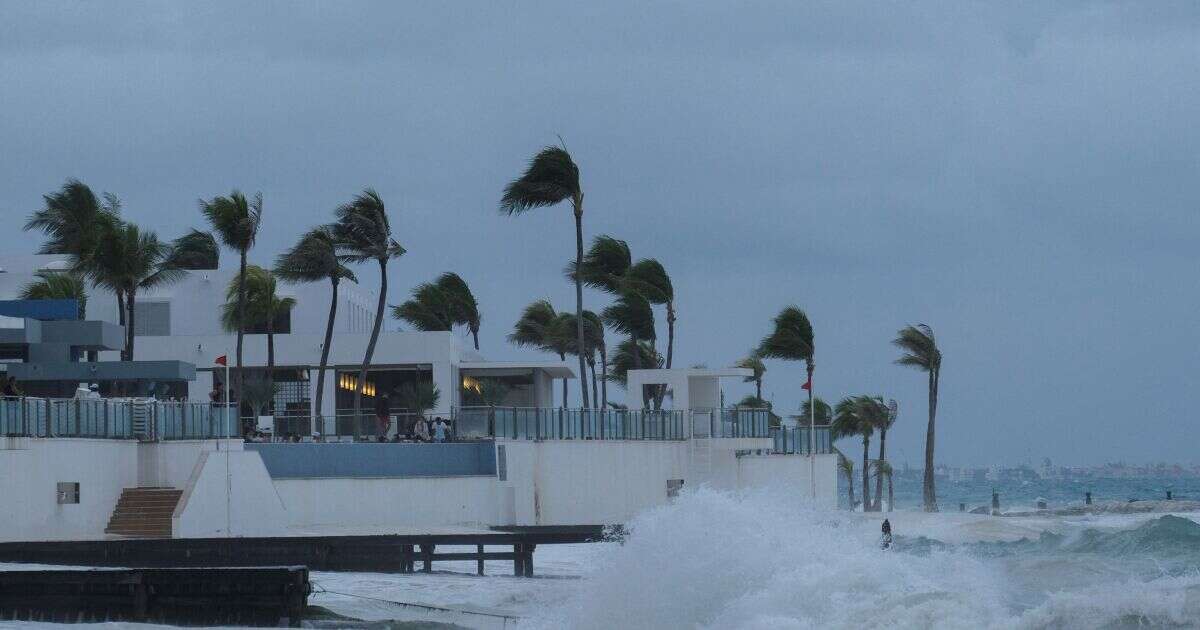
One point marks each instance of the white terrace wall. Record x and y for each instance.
(229, 493)
(30, 469)
(396, 505)
(760, 471)
(587, 482)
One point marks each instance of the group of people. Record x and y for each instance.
(419, 430)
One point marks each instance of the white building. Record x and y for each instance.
(65, 465)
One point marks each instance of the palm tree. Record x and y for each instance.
(755, 363)
(625, 359)
(464, 309)
(873, 412)
(262, 306)
(822, 415)
(196, 250)
(74, 220)
(921, 352)
(883, 416)
(364, 233)
(846, 465)
(791, 339)
(553, 177)
(52, 285)
(236, 220)
(313, 259)
(594, 339)
(848, 421)
(441, 304)
(632, 315)
(419, 397)
(126, 261)
(541, 327)
(884, 469)
(649, 278)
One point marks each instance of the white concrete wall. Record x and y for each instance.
(321, 505)
(30, 469)
(589, 482)
(792, 472)
(229, 493)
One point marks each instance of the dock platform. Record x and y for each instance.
(402, 553)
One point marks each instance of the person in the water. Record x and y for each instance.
(886, 539)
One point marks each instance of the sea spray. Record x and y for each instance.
(759, 560)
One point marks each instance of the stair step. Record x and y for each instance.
(144, 512)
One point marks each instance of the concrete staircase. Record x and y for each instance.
(144, 512)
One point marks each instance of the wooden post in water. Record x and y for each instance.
(427, 557)
(995, 503)
(518, 563)
(479, 562)
(1087, 498)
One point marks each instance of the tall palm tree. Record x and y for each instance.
(874, 414)
(541, 327)
(883, 416)
(196, 250)
(822, 415)
(74, 220)
(648, 277)
(626, 358)
(594, 339)
(236, 221)
(632, 315)
(755, 363)
(553, 177)
(884, 470)
(848, 421)
(440, 305)
(363, 234)
(846, 465)
(126, 261)
(52, 285)
(313, 259)
(262, 307)
(791, 339)
(920, 351)
(464, 309)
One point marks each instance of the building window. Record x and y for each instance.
(152, 319)
(283, 325)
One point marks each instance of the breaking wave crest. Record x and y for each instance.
(757, 560)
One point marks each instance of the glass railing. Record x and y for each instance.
(801, 440)
(115, 419)
(533, 423)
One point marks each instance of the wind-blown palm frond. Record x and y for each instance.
(919, 347)
(631, 315)
(755, 363)
(534, 325)
(194, 251)
(364, 231)
(823, 415)
(235, 218)
(551, 177)
(57, 286)
(263, 304)
(623, 360)
(72, 219)
(314, 257)
(605, 264)
(428, 310)
(649, 278)
(127, 260)
(463, 308)
(419, 397)
(791, 339)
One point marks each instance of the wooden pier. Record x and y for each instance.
(385, 553)
(265, 596)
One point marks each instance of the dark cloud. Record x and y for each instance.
(1020, 176)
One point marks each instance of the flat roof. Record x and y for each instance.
(553, 369)
(697, 372)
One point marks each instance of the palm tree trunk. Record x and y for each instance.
(241, 332)
(866, 476)
(603, 377)
(318, 422)
(362, 372)
(930, 495)
(563, 357)
(758, 389)
(891, 497)
(878, 472)
(592, 366)
(475, 336)
(121, 318)
(579, 298)
(130, 296)
(850, 489)
(271, 360)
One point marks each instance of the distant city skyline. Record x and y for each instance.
(1022, 178)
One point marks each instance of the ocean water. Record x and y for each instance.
(761, 560)
(1022, 495)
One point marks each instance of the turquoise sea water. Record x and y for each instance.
(1017, 495)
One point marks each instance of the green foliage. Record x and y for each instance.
(235, 219)
(753, 362)
(631, 315)
(363, 231)
(823, 413)
(604, 264)
(314, 258)
(57, 286)
(623, 360)
(263, 304)
(551, 177)
(919, 348)
(193, 251)
(419, 397)
(491, 391)
(791, 338)
(74, 220)
(440, 305)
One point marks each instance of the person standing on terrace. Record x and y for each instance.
(383, 414)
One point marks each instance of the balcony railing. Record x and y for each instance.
(535, 423)
(801, 440)
(115, 418)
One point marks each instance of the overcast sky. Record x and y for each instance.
(1022, 177)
